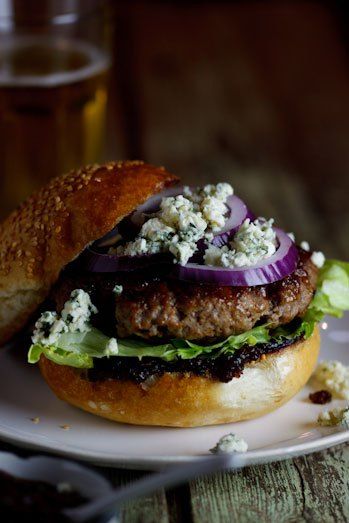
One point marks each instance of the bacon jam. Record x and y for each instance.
(223, 368)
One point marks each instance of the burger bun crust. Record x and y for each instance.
(185, 400)
(53, 226)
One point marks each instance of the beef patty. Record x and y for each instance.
(175, 309)
(156, 306)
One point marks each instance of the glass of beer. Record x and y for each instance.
(54, 64)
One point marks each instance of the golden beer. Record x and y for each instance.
(53, 93)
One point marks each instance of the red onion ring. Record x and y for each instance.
(96, 261)
(238, 214)
(153, 205)
(129, 227)
(282, 263)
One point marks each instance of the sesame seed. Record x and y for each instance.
(65, 427)
(35, 420)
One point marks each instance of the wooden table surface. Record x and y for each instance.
(255, 93)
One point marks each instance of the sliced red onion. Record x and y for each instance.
(95, 261)
(153, 205)
(238, 214)
(129, 227)
(282, 263)
(109, 239)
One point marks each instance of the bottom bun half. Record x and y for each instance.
(185, 400)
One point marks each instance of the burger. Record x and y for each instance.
(154, 303)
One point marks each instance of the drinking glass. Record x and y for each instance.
(54, 63)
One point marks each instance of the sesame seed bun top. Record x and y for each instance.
(56, 223)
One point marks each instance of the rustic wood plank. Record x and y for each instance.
(325, 485)
(172, 506)
(179, 504)
(312, 488)
(253, 494)
(148, 509)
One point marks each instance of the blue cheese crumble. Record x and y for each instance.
(318, 259)
(74, 317)
(48, 328)
(112, 348)
(334, 376)
(181, 222)
(221, 191)
(230, 443)
(254, 242)
(77, 311)
(118, 290)
(334, 417)
(305, 246)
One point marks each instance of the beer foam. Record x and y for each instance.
(98, 61)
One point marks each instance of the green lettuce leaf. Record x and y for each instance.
(72, 359)
(138, 348)
(78, 349)
(332, 295)
(188, 349)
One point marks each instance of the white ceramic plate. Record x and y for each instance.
(289, 431)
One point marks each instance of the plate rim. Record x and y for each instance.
(252, 457)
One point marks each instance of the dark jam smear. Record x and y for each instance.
(25, 500)
(224, 368)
